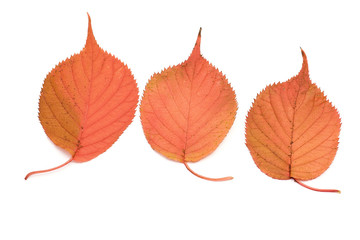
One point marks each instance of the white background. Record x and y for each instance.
(130, 191)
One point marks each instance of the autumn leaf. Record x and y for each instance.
(86, 102)
(292, 130)
(187, 110)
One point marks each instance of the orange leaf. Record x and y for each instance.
(292, 130)
(187, 110)
(87, 101)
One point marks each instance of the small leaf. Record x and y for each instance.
(86, 102)
(187, 110)
(292, 130)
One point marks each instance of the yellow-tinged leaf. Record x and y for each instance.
(292, 130)
(86, 102)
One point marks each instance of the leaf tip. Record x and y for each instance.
(304, 68)
(89, 21)
(302, 52)
(304, 56)
(196, 51)
(90, 31)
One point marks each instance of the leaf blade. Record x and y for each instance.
(87, 101)
(187, 110)
(290, 123)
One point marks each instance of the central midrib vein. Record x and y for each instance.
(188, 116)
(292, 132)
(88, 102)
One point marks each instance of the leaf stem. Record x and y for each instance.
(316, 189)
(207, 178)
(48, 170)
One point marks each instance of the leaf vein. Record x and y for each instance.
(105, 102)
(71, 134)
(282, 160)
(156, 115)
(316, 145)
(270, 139)
(162, 101)
(62, 105)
